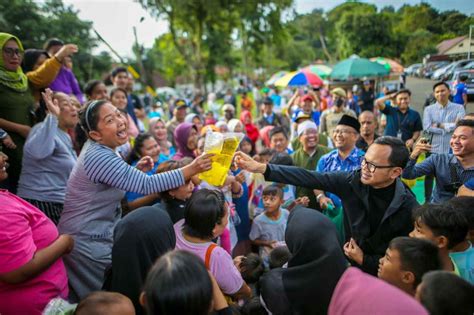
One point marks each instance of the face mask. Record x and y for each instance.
(339, 102)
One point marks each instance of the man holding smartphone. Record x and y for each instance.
(440, 119)
(451, 170)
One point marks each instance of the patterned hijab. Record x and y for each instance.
(15, 80)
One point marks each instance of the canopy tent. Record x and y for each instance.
(357, 68)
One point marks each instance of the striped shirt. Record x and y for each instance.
(448, 116)
(92, 209)
(103, 166)
(439, 166)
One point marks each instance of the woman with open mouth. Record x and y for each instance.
(97, 183)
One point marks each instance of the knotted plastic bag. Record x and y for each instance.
(223, 146)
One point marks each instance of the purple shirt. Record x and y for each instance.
(66, 82)
(221, 264)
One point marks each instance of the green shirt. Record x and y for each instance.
(16, 107)
(304, 160)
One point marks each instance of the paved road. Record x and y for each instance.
(420, 89)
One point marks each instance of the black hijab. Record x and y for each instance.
(315, 267)
(140, 238)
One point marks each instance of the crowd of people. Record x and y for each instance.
(105, 211)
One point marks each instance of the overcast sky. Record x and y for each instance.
(114, 19)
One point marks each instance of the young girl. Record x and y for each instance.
(145, 145)
(157, 128)
(205, 218)
(96, 90)
(118, 97)
(97, 184)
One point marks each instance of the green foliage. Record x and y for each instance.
(35, 22)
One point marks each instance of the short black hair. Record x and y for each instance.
(282, 158)
(118, 70)
(469, 115)
(277, 129)
(463, 78)
(251, 268)
(30, 58)
(443, 220)
(464, 204)
(399, 155)
(203, 211)
(440, 83)
(443, 292)
(403, 91)
(267, 151)
(273, 190)
(178, 283)
(417, 256)
(90, 86)
(465, 123)
(52, 42)
(278, 257)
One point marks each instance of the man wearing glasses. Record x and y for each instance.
(377, 205)
(346, 157)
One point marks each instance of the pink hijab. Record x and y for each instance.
(360, 293)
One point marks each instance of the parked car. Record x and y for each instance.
(470, 65)
(438, 74)
(411, 69)
(453, 80)
(432, 67)
(457, 65)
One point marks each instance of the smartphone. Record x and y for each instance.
(426, 137)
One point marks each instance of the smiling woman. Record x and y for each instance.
(48, 150)
(97, 184)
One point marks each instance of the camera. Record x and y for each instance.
(452, 187)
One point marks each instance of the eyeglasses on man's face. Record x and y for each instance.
(342, 131)
(371, 167)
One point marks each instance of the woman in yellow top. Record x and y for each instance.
(16, 97)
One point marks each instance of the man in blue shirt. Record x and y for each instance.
(460, 95)
(450, 170)
(347, 157)
(402, 121)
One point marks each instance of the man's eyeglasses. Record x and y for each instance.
(371, 167)
(10, 52)
(342, 131)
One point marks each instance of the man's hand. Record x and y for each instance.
(353, 251)
(245, 162)
(66, 51)
(324, 202)
(409, 143)
(419, 148)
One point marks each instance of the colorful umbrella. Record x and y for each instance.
(296, 78)
(321, 71)
(275, 77)
(390, 64)
(356, 68)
